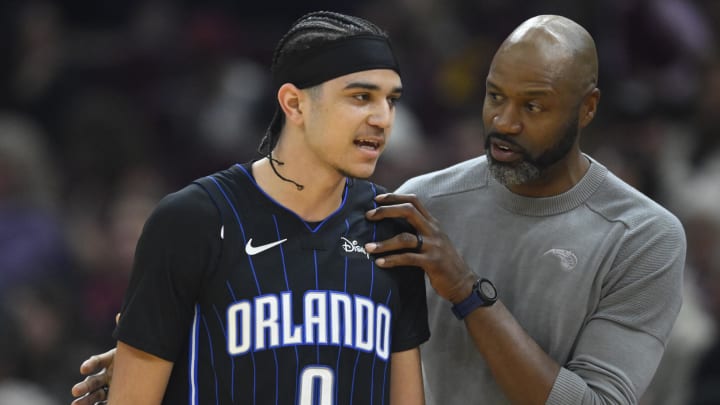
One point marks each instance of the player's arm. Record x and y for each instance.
(139, 378)
(172, 254)
(406, 383)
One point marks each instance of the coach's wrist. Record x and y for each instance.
(463, 288)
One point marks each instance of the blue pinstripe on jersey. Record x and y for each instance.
(252, 267)
(385, 370)
(287, 286)
(212, 358)
(232, 363)
(194, 357)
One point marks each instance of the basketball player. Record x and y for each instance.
(252, 285)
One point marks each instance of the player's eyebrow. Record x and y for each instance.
(371, 87)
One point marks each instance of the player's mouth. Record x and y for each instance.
(370, 145)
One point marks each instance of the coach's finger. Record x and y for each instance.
(97, 362)
(98, 396)
(403, 241)
(90, 384)
(406, 211)
(391, 198)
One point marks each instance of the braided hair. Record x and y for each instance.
(311, 30)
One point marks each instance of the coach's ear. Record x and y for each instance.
(291, 99)
(589, 108)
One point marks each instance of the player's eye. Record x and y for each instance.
(362, 96)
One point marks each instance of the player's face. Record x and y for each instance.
(530, 116)
(350, 119)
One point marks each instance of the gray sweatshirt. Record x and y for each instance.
(593, 275)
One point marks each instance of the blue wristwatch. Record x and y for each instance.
(483, 294)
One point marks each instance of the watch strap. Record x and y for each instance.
(469, 304)
(476, 299)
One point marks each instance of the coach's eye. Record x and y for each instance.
(533, 107)
(494, 97)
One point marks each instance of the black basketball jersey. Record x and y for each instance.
(256, 306)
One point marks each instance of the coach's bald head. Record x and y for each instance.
(563, 47)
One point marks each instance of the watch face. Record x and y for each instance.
(487, 289)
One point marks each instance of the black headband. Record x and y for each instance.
(337, 58)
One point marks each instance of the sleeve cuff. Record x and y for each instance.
(568, 389)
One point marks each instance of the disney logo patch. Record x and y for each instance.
(352, 248)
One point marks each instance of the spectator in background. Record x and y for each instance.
(695, 358)
(33, 245)
(35, 263)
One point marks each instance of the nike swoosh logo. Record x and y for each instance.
(253, 250)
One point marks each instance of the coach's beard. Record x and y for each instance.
(529, 168)
(510, 174)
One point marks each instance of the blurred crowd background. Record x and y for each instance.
(106, 106)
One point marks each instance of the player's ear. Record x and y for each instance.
(291, 100)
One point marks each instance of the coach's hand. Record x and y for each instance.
(94, 388)
(430, 249)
